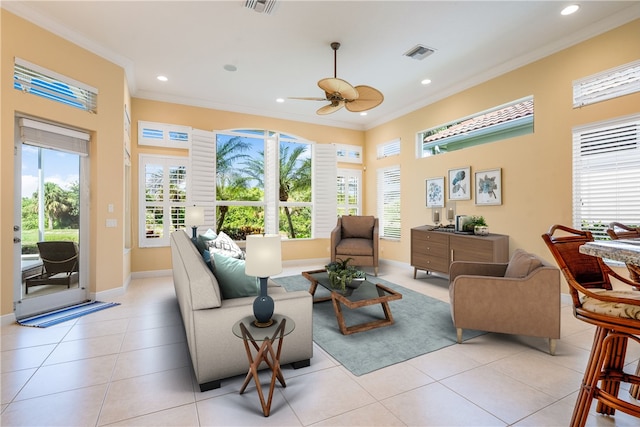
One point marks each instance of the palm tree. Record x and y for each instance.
(295, 176)
(228, 179)
(55, 202)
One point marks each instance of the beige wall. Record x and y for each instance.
(536, 169)
(24, 40)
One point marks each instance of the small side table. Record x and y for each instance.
(251, 334)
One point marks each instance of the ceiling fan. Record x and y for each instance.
(340, 93)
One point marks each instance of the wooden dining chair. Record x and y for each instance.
(615, 313)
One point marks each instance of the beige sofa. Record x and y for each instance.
(520, 297)
(215, 351)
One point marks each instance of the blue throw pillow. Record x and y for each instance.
(206, 256)
(231, 278)
(203, 239)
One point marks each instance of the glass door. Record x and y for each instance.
(49, 229)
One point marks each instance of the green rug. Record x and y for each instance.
(422, 325)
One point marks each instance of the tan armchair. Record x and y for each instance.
(356, 237)
(520, 297)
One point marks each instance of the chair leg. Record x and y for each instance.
(634, 390)
(375, 270)
(590, 380)
(552, 346)
(459, 335)
(616, 348)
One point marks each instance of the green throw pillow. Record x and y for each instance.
(201, 241)
(231, 278)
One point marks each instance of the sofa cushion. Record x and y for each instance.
(224, 245)
(521, 264)
(206, 256)
(233, 282)
(202, 241)
(358, 227)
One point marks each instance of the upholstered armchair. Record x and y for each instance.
(356, 237)
(520, 297)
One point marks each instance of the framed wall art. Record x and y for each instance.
(488, 185)
(435, 192)
(460, 183)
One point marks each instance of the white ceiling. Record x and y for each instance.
(284, 54)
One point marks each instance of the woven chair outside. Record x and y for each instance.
(617, 231)
(60, 262)
(615, 313)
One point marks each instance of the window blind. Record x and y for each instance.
(32, 78)
(606, 175)
(163, 135)
(388, 183)
(46, 135)
(608, 84)
(391, 148)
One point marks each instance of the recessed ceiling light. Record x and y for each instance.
(425, 81)
(280, 100)
(163, 78)
(364, 113)
(230, 67)
(570, 10)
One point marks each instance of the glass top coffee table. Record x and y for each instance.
(367, 293)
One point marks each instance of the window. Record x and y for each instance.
(349, 191)
(388, 183)
(36, 80)
(163, 135)
(608, 84)
(387, 149)
(263, 184)
(163, 197)
(349, 153)
(606, 175)
(505, 121)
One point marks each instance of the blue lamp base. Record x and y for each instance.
(263, 306)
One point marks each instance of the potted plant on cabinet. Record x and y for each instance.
(478, 225)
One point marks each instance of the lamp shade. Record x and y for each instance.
(194, 215)
(263, 255)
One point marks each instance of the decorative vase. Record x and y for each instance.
(481, 230)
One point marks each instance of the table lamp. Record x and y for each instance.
(263, 259)
(194, 216)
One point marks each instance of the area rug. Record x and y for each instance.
(64, 314)
(422, 325)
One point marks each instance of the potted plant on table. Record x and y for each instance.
(341, 274)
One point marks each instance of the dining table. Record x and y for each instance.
(623, 250)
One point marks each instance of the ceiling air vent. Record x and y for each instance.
(261, 6)
(419, 52)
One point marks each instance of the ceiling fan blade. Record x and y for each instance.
(308, 98)
(332, 85)
(369, 98)
(330, 108)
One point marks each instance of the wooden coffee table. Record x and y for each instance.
(366, 294)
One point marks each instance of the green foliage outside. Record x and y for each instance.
(62, 215)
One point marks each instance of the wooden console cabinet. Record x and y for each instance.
(435, 250)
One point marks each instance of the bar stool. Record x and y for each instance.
(616, 315)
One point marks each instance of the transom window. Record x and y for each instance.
(505, 121)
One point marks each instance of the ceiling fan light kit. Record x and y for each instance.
(341, 93)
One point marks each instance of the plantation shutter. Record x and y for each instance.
(391, 148)
(608, 84)
(271, 185)
(324, 190)
(606, 175)
(46, 135)
(388, 183)
(203, 174)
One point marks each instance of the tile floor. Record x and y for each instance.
(129, 365)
